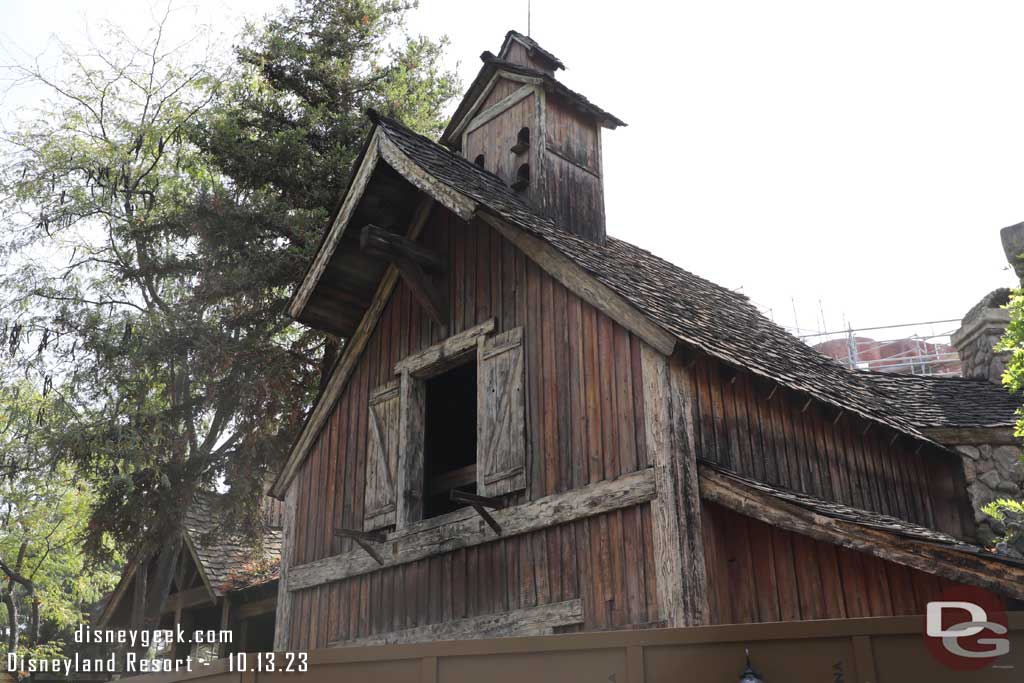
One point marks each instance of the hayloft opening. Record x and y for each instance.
(449, 454)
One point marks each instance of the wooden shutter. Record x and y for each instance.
(501, 422)
(381, 457)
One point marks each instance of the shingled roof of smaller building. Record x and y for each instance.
(945, 401)
(227, 561)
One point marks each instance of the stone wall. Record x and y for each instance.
(992, 471)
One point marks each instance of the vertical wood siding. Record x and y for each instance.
(743, 425)
(584, 412)
(572, 192)
(758, 573)
(495, 138)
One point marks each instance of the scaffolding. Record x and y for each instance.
(920, 354)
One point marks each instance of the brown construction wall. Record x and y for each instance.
(887, 650)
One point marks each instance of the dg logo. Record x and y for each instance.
(966, 629)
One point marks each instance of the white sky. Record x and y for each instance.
(864, 154)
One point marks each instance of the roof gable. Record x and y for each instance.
(495, 68)
(515, 39)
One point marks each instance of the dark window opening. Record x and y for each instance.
(522, 177)
(449, 452)
(479, 161)
(522, 141)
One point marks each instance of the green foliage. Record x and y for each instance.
(157, 210)
(1011, 512)
(44, 511)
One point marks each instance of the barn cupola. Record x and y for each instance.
(542, 139)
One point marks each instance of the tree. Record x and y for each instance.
(1006, 510)
(175, 205)
(46, 582)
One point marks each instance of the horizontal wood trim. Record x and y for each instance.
(584, 285)
(463, 529)
(931, 558)
(500, 106)
(532, 621)
(355, 193)
(246, 610)
(193, 597)
(452, 347)
(346, 365)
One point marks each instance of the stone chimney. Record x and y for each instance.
(979, 332)
(985, 324)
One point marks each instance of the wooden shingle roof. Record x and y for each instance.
(226, 561)
(926, 401)
(716, 320)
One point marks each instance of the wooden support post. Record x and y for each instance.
(364, 539)
(428, 295)
(679, 555)
(225, 625)
(481, 504)
(684, 461)
(283, 620)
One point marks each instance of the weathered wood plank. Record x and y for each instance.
(463, 529)
(930, 558)
(668, 552)
(434, 359)
(688, 493)
(391, 246)
(581, 283)
(284, 596)
(500, 106)
(532, 621)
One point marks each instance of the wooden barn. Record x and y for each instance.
(220, 582)
(538, 428)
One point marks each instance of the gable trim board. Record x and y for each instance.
(119, 590)
(338, 225)
(945, 557)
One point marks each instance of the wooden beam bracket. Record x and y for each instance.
(391, 246)
(364, 539)
(481, 504)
